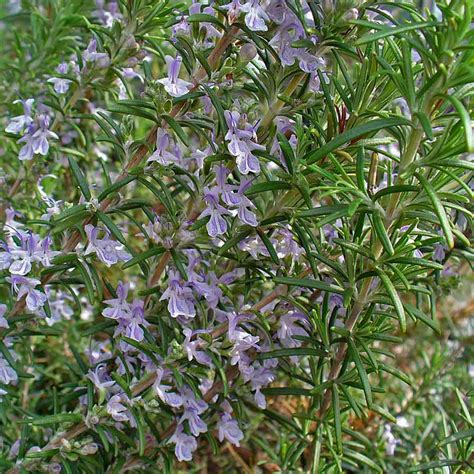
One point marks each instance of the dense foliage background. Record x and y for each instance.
(236, 236)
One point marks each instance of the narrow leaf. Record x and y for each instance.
(79, 177)
(392, 293)
(353, 133)
(438, 208)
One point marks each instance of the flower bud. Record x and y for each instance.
(89, 449)
(351, 14)
(247, 52)
(54, 468)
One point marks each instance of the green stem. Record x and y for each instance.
(278, 105)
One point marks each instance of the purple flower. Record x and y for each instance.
(130, 317)
(210, 31)
(109, 251)
(439, 252)
(262, 375)
(91, 55)
(41, 135)
(191, 348)
(286, 34)
(226, 190)
(246, 161)
(60, 84)
(290, 324)
(235, 134)
(20, 122)
(234, 196)
(27, 150)
(31, 249)
(27, 253)
(335, 301)
(48, 254)
(243, 341)
(190, 400)
(278, 11)
(7, 373)
(185, 444)
(255, 15)
(36, 139)
(192, 409)
(245, 204)
(118, 307)
(117, 410)
(310, 64)
(417, 253)
(163, 391)
(101, 379)
(254, 246)
(196, 425)
(286, 245)
(200, 155)
(59, 306)
(24, 286)
(217, 225)
(258, 374)
(182, 27)
(180, 297)
(330, 231)
(240, 135)
(161, 154)
(12, 226)
(228, 429)
(207, 286)
(136, 318)
(173, 85)
(107, 16)
(233, 10)
(130, 73)
(3, 320)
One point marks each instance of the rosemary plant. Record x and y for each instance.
(236, 236)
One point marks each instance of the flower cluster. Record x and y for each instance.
(242, 141)
(107, 250)
(19, 255)
(35, 131)
(232, 196)
(130, 317)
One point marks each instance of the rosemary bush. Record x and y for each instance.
(235, 236)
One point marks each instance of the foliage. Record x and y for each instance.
(235, 227)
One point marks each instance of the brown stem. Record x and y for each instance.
(160, 268)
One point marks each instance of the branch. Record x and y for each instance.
(414, 142)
